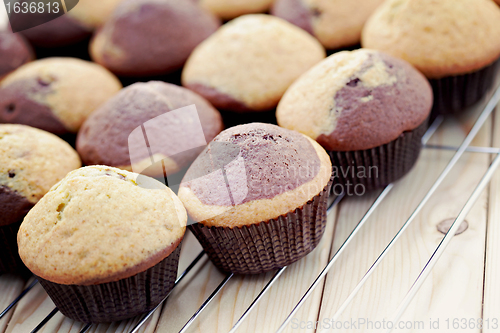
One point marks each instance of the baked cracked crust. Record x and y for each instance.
(101, 224)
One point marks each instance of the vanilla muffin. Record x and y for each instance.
(367, 109)
(113, 134)
(55, 94)
(259, 194)
(14, 52)
(249, 63)
(454, 43)
(229, 9)
(93, 13)
(104, 243)
(31, 161)
(151, 37)
(336, 23)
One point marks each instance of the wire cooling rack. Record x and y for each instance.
(424, 273)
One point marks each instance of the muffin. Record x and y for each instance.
(104, 243)
(151, 37)
(31, 161)
(229, 9)
(454, 43)
(336, 23)
(70, 28)
(367, 109)
(55, 94)
(248, 64)
(259, 194)
(175, 131)
(14, 52)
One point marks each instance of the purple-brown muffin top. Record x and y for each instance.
(14, 52)
(105, 137)
(356, 100)
(254, 172)
(149, 37)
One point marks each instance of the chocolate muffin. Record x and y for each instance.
(229, 9)
(55, 94)
(249, 63)
(367, 109)
(151, 37)
(104, 243)
(113, 135)
(336, 23)
(14, 52)
(259, 194)
(31, 161)
(457, 49)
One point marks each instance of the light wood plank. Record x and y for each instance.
(10, 287)
(491, 310)
(456, 283)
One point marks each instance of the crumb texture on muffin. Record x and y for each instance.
(439, 37)
(229, 9)
(336, 23)
(356, 100)
(55, 94)
(270, 171)
(104, 138)
(101, 224)
(150, 37)
(31, 161)
(249, 63)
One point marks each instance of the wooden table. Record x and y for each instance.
(464, 284)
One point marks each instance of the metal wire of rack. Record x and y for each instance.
(464, 147)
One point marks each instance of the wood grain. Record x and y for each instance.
(491, 295)
(454, 288)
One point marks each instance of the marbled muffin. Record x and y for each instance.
(55, 94)
(336, 23)
(455, 43)
(104, 243)
(107, 136)
(14, 52)
(72, 27)
(229, 9)
(367, 109)
(31, 161)
(259, 194)
(249, 63)
(151, 37)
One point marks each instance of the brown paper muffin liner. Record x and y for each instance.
(453, 94)
(267, 245)
(9, 254)
(118, 300)
(360, 171)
